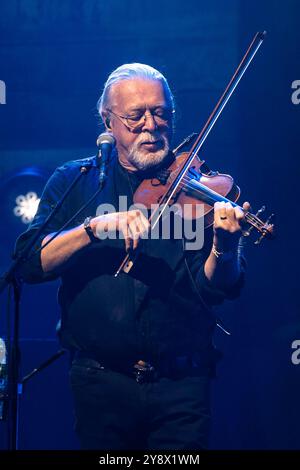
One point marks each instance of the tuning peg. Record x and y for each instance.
(258, 241)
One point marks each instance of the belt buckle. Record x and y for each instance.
(143, 371)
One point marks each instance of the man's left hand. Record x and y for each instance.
(228, 225)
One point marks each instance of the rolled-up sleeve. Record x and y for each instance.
(211, 294)
(31, 270)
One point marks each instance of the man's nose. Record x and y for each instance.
(149, 122)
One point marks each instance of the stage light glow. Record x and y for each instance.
(26, 206)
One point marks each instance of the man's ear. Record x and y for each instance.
(107, 122)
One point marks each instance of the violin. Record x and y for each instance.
(196, 188)
(189, 182)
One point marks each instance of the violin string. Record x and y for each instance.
(251, 218)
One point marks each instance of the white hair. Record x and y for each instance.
(128, 72)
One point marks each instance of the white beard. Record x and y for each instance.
(141, 159)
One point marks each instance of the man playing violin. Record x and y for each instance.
(141, 343)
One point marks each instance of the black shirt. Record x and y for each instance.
(161, 308)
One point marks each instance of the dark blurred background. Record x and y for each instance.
(54, 58)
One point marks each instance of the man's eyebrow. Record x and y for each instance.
(143, 108)
(137, 108)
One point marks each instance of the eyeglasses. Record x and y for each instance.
(136, 120)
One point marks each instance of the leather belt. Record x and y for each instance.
(142, 371)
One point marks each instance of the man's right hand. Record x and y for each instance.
(133, 225)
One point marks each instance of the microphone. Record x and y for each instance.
(105, 143)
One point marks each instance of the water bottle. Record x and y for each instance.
(3, 380)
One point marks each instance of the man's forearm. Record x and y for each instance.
(60, 250)
(132, 224)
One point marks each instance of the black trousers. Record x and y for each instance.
(114, 412)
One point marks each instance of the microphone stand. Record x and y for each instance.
(11, 278)
(36, 370)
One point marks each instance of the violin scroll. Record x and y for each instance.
(266, 229)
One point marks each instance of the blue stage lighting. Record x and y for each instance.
(20, 191)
